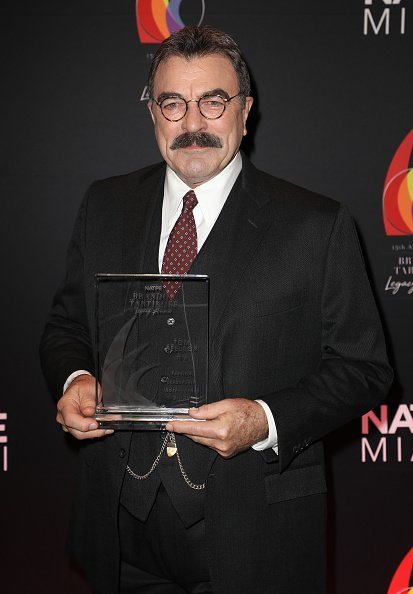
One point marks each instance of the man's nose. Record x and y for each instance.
(193, 120)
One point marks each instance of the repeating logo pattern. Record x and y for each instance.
(398, 191)
(402, 582)
(157, 19)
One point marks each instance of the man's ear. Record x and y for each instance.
(150, 106)
(246, 110)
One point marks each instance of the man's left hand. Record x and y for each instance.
(229, 426)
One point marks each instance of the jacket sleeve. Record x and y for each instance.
(354, 374)
(66, 345)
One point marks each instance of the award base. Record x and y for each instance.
(137, 419)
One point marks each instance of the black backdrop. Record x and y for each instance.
(333, 88)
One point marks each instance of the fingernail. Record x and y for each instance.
(168, 427)
(93, 426)
(109, 431)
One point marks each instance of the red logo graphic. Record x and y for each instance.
(402, 582)
(157, 19)
(398, 191)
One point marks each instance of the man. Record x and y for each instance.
(296, 350)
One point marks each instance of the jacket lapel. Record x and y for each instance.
(235, 238)
(142, 217)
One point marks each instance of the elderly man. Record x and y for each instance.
(296, 350)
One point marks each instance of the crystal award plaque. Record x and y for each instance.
(151, 351)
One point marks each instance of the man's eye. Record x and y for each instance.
(171, 105)
(213, 103)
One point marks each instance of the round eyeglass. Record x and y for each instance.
(211, 107)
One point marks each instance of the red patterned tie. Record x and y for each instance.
(181, 249)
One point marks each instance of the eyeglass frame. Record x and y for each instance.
(225, 99)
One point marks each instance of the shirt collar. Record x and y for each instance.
(211, 195)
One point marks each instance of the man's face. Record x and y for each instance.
(192, 79)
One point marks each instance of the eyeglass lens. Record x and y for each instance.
(174, 108)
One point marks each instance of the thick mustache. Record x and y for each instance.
(202, 139)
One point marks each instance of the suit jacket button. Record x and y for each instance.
(122, 453)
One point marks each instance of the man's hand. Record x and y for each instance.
(76, 408)
(230, 426)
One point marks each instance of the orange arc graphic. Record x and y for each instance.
(405, 200)
(159, 15)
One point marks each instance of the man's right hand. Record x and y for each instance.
(76, 408)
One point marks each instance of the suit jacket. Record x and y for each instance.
(292, 321)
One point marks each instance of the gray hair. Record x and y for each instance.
(196, 42)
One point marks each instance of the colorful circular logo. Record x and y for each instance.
(157, 19)
(398, 191)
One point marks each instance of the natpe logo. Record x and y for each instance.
(402, 582)
(157, 19)
(398, 191)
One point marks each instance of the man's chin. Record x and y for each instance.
(196, 171)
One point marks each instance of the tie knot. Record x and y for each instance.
(190, 201)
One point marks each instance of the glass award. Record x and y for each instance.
(151, 350)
